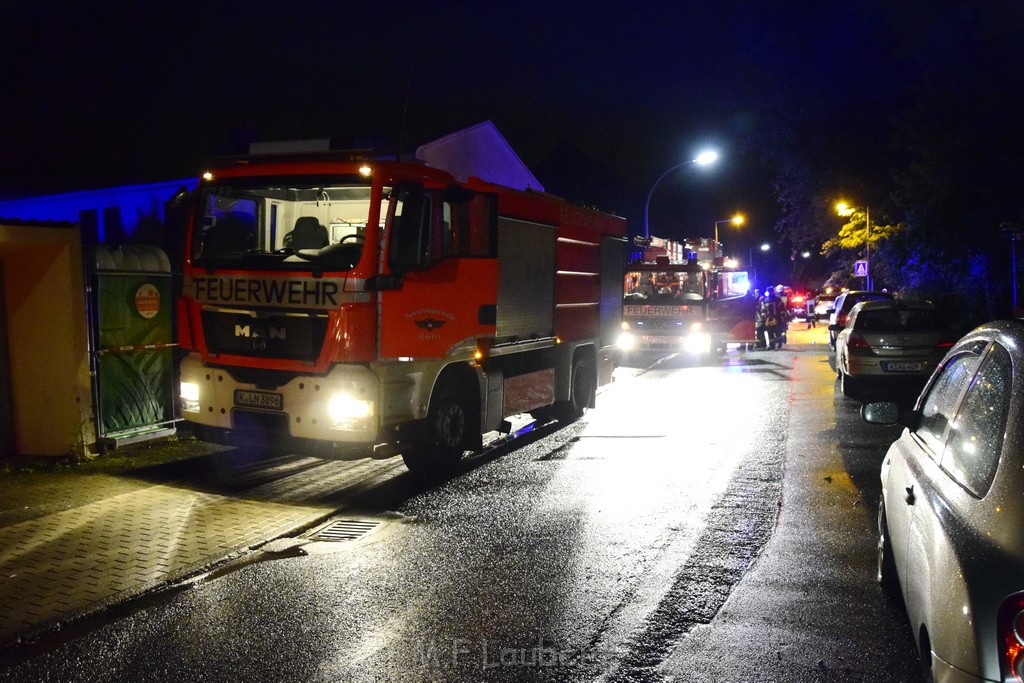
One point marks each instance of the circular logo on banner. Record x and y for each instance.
(147, 301)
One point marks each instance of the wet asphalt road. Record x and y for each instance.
(703, 523)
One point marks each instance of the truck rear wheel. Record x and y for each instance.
(582, 390)
(446, 434)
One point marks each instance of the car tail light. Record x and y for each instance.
(947, 341)
(857, 345)
(841, 319)
(1010, 629)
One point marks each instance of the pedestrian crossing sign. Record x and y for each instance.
(860, 268)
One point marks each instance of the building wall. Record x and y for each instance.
(48, 339)
(112, 214)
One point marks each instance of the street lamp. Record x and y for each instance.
(765, 247)
(703, 159)
(735, 220)
(844, 209)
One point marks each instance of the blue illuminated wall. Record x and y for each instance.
(115, 213)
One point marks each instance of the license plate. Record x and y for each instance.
(258, 399)
(902, 367)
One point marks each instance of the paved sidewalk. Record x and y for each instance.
(77, 539)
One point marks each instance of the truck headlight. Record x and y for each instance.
(697, 342)
(348, 412)
(189, 397)
(626, 342)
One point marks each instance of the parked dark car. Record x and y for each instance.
(844, 304)
(951, 516)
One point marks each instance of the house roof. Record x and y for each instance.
(479, 151)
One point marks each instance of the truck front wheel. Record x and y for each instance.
(447, 433)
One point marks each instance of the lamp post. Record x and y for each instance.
(844, 209)
(765, 247)
(703, 159)
(735, 220)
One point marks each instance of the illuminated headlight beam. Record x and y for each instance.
(697, 343)
(189, 397)
(347, 412)
(626, 342)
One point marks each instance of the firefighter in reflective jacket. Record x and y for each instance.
(769, 317)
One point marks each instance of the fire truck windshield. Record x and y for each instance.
(663, 287)
(283, 223)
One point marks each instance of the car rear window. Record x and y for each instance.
(900, 320)
(852, 301)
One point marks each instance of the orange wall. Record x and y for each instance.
(45, 300)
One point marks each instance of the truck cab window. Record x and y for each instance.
(410, 230)
(428, 226)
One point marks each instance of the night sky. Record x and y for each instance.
(98, 94)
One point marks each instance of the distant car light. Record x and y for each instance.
(626, 342)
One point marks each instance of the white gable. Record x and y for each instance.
(479, 151)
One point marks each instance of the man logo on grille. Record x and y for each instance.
(253, 332)
(429, 323)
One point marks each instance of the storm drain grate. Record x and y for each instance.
(344, 530)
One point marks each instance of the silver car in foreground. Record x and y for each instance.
(892, 345)
(951, 517)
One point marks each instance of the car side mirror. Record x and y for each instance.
(881, 413)
(890, 413)
(836, 328)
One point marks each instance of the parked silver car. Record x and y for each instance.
(951, 516)
(890, 344)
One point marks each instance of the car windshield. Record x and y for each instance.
(283, 223)
(899, 320)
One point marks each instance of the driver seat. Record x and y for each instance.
(307, 234)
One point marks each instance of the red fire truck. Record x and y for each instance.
(683, 298)
(382, 307)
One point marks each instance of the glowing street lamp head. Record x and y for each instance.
(706, 157)
(765, 246)
(844, 209)
(738, 219)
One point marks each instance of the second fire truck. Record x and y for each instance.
(680, 297)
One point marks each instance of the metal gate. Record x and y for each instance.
(132, 343)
